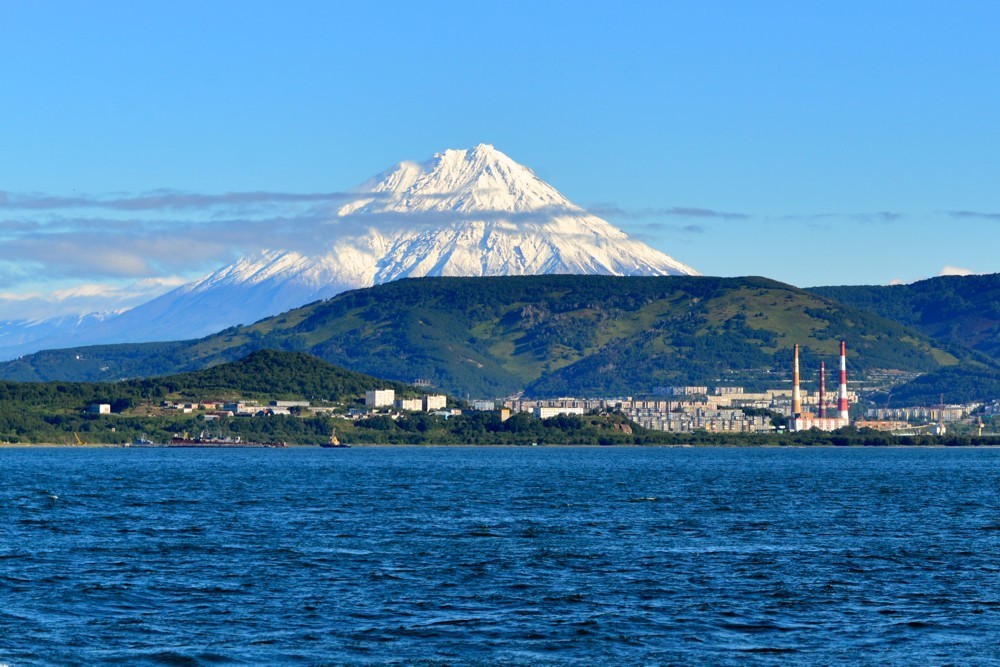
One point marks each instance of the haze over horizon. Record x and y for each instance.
(148, 144)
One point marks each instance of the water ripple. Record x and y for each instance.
(556, 556)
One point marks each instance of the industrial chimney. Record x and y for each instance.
(842, 394)
(796, 396)
(821, 409)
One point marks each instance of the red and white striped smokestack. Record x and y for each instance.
(821, 410)
(842, 394)
(796, 396)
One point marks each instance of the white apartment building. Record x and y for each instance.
(413, 404)
(435, 402)
(380, 398)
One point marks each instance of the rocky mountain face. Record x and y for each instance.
(470, 212)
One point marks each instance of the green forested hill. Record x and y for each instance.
(277, 375)
(266, 373)
(551, 335)
(964, 383)
(53, 411)
(963, 310)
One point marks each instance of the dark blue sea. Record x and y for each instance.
(459, 556)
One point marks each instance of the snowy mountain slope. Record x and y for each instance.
(462, 213)
(18, 334)
(484, 214)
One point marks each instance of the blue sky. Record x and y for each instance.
(815, 143)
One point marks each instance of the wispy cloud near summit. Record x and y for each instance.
(956, 271)
(614, 211)
(146, 236)
(55, 241)
(166, 200)
(974, 214)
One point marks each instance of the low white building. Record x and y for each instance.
(100, 408)
(447, 414)
(241, 408)
(808, 421)
(412, 404)
(545, 413)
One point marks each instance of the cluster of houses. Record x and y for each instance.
(675, 409)
(375, 401)
(944, 413)
(730, 409)
(217, 409)
(386, 398)
(682, 409)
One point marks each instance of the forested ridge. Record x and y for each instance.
(964, 310)
(547, 336)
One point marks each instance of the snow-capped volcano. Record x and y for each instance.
(478, 213)
(470, 212)
(462, 213)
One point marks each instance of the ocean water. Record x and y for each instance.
(499, 555)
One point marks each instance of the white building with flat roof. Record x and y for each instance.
(545, 413)
(412, 404)
(435, 402)
(380, 398)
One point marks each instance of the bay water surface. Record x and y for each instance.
(464, 555)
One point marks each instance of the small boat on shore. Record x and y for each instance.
(335, 442)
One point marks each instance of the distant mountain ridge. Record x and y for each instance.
(470, 212)
(546, 335)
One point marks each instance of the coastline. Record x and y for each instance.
(40, 445)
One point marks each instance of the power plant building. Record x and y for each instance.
(803, 421)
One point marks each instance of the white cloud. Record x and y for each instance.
(160, 200)
(607, 210)
(82, 299)
(955, 271)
